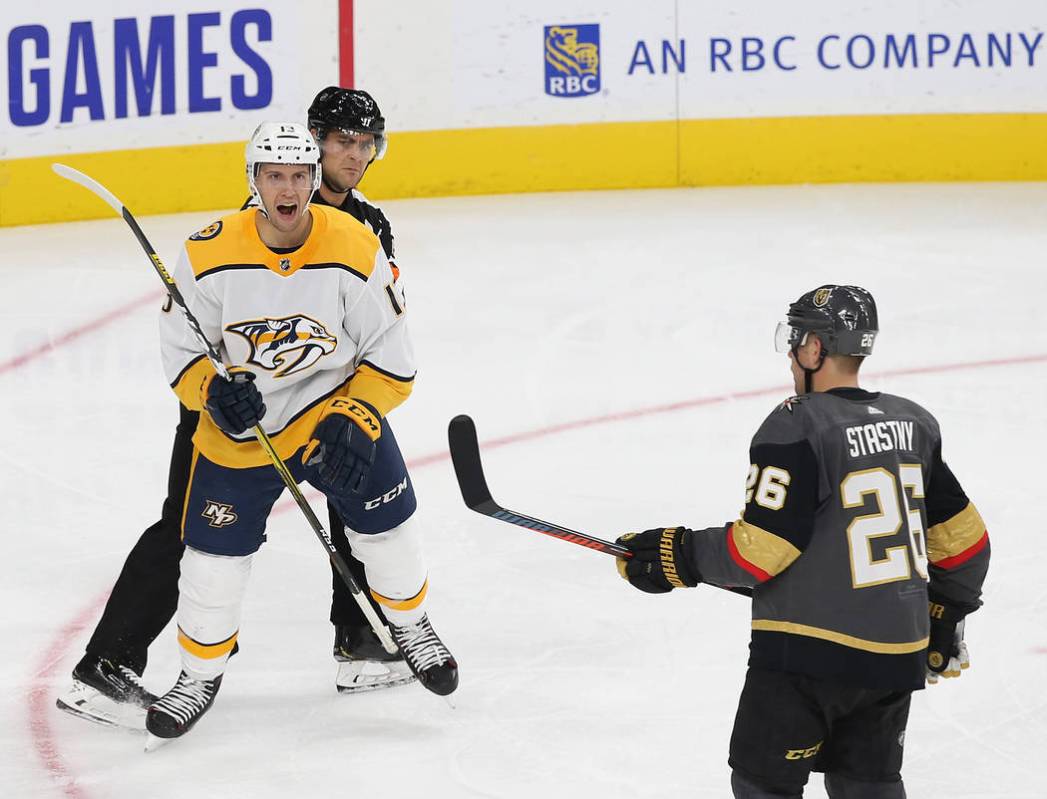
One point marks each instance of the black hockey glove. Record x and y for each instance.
(946, 651)
(343, 445)
(235, 404)
(660, 561)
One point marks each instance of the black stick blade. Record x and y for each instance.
(465, 455)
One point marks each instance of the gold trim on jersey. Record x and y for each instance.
(955, 535)
(335, 240)
(767, 551)
(879, 647)
(188, 489)
(190, 383)
(402, 604)
(207, 651)
(218, 447)
(381, 390)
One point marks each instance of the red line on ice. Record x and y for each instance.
(72, 335)
(41, 703)
(40, 700)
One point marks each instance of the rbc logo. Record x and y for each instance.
(572, 60)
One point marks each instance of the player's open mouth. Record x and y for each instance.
(287, 211)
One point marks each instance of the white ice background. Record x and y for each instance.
(529, 312)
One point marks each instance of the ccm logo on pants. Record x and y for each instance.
(388, 496)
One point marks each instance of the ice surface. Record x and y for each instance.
(530, 311)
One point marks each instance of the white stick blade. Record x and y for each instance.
(89, 183)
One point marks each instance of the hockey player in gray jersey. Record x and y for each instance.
(864, 555)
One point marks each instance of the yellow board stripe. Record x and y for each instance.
(206, 651)
(839, 638)
(692, 152)
(402, 604)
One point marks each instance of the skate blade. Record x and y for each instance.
(86, 703)
(154, 742)
(357, 676)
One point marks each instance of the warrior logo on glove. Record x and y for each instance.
(659, 560)
(287, 345)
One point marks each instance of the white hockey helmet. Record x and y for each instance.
(280, 143)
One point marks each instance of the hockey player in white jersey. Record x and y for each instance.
(304, 297)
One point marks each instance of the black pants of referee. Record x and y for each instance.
(145, 596)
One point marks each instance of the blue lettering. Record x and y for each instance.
(996, 47)
(719, 49)
(966, 50)
(668, 52)
(1030, 47)
(870, 50)
(640, 58)
(932, 51)
(37, 77)
(821, 51)
(200, 60)
(81, 42)
(127, 55)
(752, 49)
(777, 55)
(263, 74)
(900, 59)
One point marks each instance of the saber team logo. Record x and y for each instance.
(572, 60)
(218, 514)
(287, 345)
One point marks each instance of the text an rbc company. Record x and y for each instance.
(572, 60)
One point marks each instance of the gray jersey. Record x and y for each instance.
(850, 514)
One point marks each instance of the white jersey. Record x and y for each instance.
(327, 319)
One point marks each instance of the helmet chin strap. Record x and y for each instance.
(808, 374)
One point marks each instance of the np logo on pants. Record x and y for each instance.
(218, 514)
(572, 60)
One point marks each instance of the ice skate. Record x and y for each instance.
(427, 656)
(177, 711)
(363, 663)
(107, 692)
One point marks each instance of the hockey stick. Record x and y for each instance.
(465, 455)
(263, 438)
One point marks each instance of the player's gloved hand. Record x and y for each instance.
(235, 404)
(343, 445)
(660, 560)
(946, 651)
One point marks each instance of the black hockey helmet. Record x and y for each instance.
(843, 318)
(351, 110)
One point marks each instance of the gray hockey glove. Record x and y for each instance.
(946, 652)
(660, 560)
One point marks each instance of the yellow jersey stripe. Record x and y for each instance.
(879, 647)
(190, 381)
(220, 448)
(379, 389)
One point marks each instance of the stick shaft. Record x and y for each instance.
(465, 455)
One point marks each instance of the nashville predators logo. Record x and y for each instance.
(208, 232)
(287, 345)
(218, 514)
